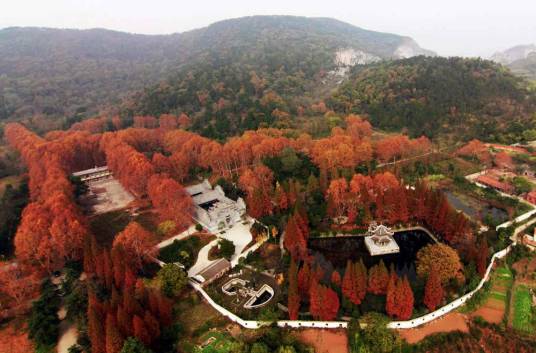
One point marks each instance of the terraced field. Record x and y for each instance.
(494, 307)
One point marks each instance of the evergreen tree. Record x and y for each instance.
(433, 291)
(378, 279)
(293, 293)
(132, 345)
(390, 303)
(114, 340)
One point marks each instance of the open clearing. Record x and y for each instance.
(494, 306)
(325, 341)
(105, 196)
(447, 323)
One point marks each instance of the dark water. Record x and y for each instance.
(497, 214)
(335, 252)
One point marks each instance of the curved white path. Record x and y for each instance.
(239, 234)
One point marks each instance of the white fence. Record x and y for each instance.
(521, 218)
(452, 305)
(343, 324)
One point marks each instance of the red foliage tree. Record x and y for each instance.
(354, 282)
(114, 340)
(136, 241)
(140, 330)
(378, 279)
(304, 279)
(295, 241)
(96, 330)
(257, 183)
(390, 302)
(404, 298)
(336, 278)
(170, 200)
(433, 291)
(293, 292)
(168, 121)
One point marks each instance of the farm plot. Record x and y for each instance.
(494, 307)
(522, 319)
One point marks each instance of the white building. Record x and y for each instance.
(213, 210)
(93, 174)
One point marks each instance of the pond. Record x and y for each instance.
(336, 251)
(498, 215)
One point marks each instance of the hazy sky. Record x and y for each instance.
(449, 27)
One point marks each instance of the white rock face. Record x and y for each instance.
(409, 48)
(351, 57)
(348, 57)
(513, 54)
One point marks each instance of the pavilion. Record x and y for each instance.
(379, 240)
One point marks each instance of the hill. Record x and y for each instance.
(520, 59)
(469, 98)
(525, 67)
(74, 73)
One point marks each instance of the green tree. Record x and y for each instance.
(259, 347)
(227, 248)
(172, 279)
(377, 336)
(43, 322)
(132, 345)
(521, 185)
(286, 349)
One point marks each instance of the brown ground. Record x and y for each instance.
(491, 315)
(325, 341)
(525, 269)
(450, 322)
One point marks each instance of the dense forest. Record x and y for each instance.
(425, 95)
(71, 74)
(525, 67)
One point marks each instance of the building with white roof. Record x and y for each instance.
(379, 240)
(214, 210)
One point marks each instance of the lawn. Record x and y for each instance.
(216, 342)
(522, 309)
(105, 226)
(185, 251)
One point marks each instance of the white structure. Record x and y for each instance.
(93, 174)
(214, 210)
(380, 241)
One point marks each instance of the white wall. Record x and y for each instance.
(251, 324)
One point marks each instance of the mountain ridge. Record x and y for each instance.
(74, 73)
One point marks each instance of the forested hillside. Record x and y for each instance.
(525, 67)
(472, 98)
(72, 74)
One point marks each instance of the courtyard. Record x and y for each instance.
(105, 195)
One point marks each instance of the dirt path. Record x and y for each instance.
(68, 337)
(325, 341)
(448, 323)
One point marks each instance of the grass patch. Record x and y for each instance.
(504, 272)
(522, 309)
(498, 296)
(219, 343)
(184, 251)
(105, 226)
(147, 220)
